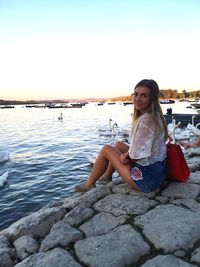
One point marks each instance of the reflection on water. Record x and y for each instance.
(48, 156)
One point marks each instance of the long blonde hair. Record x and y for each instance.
(154, 109)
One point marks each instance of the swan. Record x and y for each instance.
(176, 133)
(92, 157)
(193, 117)
(173, 127)
(103, 129)
(4, 156)
(3, 178)
(122, 131)
(184, 135)
(110, 133)
(126, 133)
(193, 129)
(197, 125)
(176, 126)
(60, 117)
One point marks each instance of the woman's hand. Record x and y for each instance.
(124, 158)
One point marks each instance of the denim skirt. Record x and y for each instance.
(148, 178)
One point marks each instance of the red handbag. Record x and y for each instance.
(177, 168)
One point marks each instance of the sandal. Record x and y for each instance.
(104, 180)
(82, 188)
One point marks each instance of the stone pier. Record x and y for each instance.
(111, 226)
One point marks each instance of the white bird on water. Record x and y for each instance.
(193, 129)
(60, 117)
(92, 157)
(107, 128)
(110, 133)
(3, 178)
(4, 156)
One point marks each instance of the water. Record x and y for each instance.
(48, 156)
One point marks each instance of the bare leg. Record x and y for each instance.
(185, 145)
(112, 155)
(122, 148)
(194, 144)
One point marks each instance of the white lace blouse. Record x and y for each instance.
(147, 141)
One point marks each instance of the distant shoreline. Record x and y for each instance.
(168, 94)
(27, 102)
(35, 102)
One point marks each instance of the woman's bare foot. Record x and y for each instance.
(104, 180)
(83, 187)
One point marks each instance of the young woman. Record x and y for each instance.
(142, 164)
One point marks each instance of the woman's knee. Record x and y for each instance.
(106, 149)
(118, 144)
(121, 146)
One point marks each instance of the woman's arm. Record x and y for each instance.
(125, 158)
(197, 142)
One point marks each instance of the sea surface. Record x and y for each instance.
(48, 157)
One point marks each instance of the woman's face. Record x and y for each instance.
(141, 98)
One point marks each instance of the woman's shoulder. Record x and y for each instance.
(146, 117)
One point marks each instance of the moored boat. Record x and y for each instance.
(100, 104)
(73, 106)
(77, 105)
(35, 106)
(193, 100)
(196, 105)
(111, 103)
(7, 106)
(55, 106)
(127, 103)
(167, 101)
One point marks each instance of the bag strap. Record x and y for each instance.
(169, 141)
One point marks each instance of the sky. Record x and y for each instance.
(61, 49)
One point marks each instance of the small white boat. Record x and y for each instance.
(167, 101)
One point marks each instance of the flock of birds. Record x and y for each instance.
(112, 129)
(179, 134)
(175, 131)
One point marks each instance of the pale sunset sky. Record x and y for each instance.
(59, 49)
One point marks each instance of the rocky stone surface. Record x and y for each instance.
(119, 247)
(25, 246)
(111, 226)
